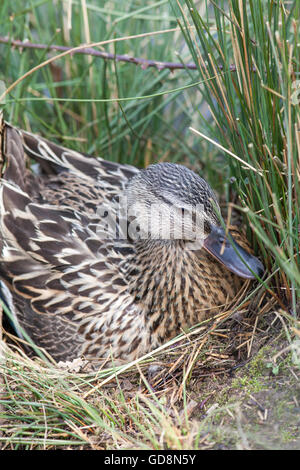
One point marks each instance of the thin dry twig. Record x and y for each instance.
(144, 63)
(73, 50)
(227, 151)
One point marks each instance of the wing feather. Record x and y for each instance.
(53, 259)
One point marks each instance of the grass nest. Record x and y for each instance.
(179, 397)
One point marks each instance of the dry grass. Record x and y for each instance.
(167, 400)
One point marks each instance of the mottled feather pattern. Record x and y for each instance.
(75, 293)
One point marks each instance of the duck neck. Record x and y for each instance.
(154, 265)
(177, 287)
(160, 277)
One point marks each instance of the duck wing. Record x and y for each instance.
(59, 274)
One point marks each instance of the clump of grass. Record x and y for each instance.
(252, 51)
(89, 103)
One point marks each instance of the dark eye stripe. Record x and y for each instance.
(207, 226)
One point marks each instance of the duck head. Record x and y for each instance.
(169, 202)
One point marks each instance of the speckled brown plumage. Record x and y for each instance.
(75, 293)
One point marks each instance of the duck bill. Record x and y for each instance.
(232, 255)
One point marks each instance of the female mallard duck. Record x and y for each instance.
(81, 278)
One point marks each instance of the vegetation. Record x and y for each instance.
(235, 117)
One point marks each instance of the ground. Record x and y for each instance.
(253, 404)
(231, 385)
